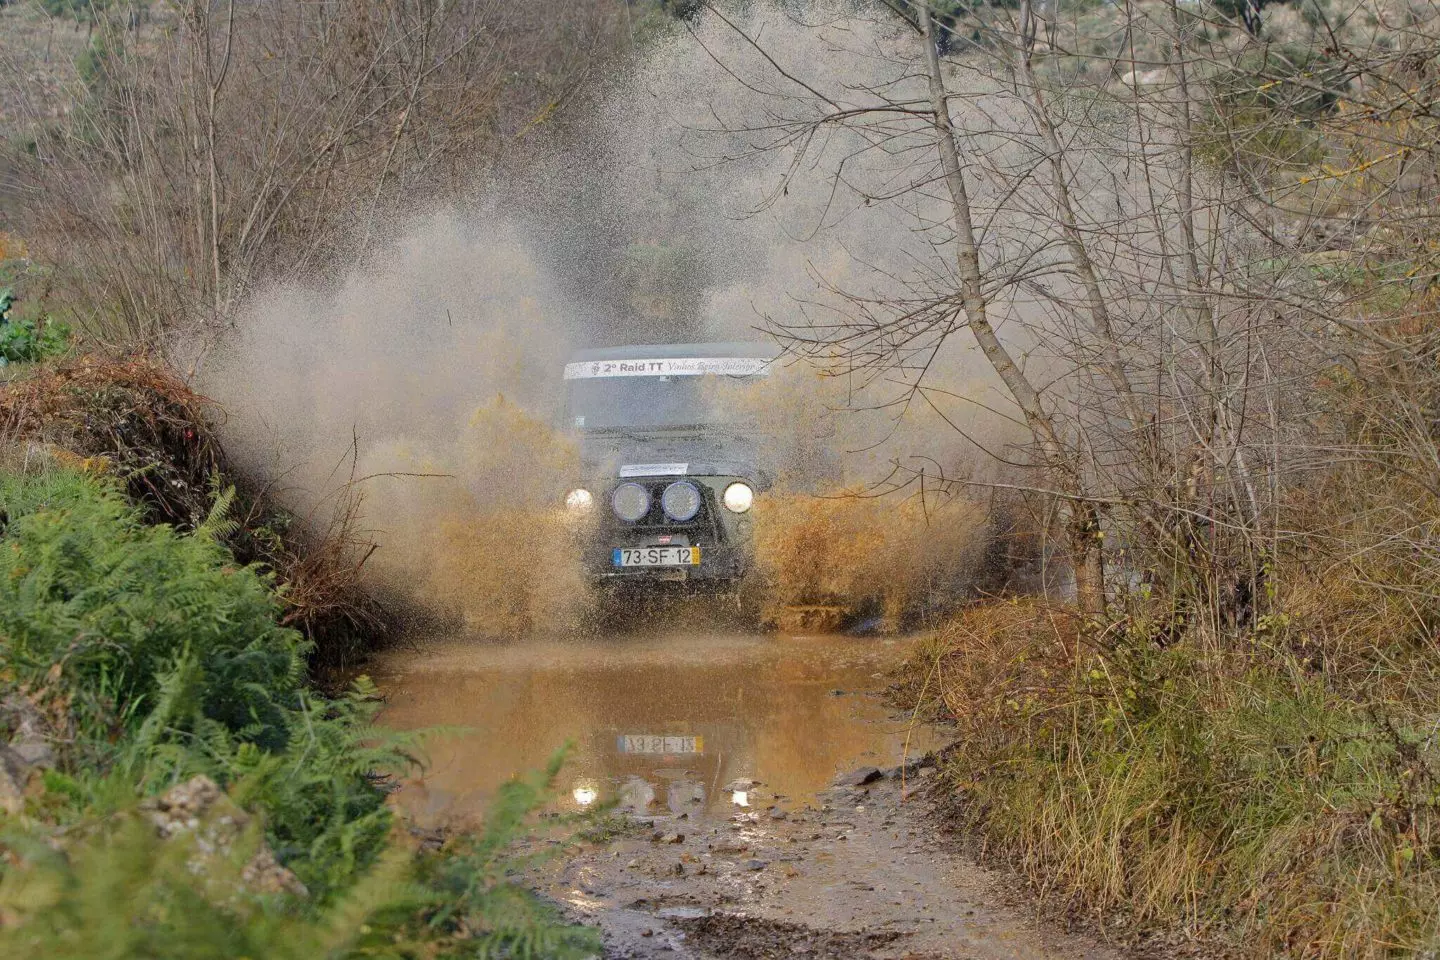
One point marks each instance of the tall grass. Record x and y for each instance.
(1248, 792)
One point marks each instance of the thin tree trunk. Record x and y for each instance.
(1080, 516)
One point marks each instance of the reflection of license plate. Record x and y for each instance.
(647, 743)
(656, 556)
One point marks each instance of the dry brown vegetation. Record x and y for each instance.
(213, 148)
(136, 420)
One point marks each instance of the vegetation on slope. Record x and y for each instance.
(135, 658)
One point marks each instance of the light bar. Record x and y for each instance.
(672, 367)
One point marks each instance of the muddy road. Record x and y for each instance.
(774, 806)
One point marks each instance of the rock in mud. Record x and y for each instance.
(730, 935)
(755, 866)
(729, 847)
(743, 785)
(859, 778)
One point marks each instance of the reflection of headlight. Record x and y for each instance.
(630, 502)
(680, 501)
(738, 497)
(579, 500)
(584, 795)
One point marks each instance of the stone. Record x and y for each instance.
(32, 738)
(859, 777)
(754, 866)
(199, 808)
(729, 847)
(14, 776)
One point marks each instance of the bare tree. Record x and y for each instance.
(233, 143)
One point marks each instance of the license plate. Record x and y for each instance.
(650, 743)
(656, 556)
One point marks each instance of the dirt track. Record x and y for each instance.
(858, 874)
(738, 842)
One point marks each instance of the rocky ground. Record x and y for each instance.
(864, 872)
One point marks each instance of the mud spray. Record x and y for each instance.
(426, 382)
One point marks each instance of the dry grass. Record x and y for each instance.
(1267, 794)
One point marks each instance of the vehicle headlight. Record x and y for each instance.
(680, 501)
(630, 501)
(738, 497)
(579, 500)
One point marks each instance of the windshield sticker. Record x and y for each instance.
(654, 469)
(676, 367)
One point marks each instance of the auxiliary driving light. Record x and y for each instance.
(738, 497)
(579, 500)
(630, 501)
(680, 501)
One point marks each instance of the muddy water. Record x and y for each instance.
(663, 724)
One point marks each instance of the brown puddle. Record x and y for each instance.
(659, 722)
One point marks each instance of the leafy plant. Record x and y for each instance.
(162, 659)
(28, 339)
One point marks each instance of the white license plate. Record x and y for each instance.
(656, 556)
(650, 743)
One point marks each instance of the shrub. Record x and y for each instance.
(1238, 791)
(104, 606)
(28, 339)
(157, 658)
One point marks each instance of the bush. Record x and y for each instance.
(1242, 791)
(105, 607)
(28, 339)
(135, 419)
(151, 657)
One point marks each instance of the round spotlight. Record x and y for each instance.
(630, 501)
(680, 501)
(579, 500)
(738, 497)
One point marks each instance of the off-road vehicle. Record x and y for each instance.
(671, 460)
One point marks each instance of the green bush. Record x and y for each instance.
(28, 339)
(113, 605)
(161, 659)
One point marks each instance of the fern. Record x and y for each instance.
(218, 524)
(170, 662)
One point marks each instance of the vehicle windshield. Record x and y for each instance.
(657, 402)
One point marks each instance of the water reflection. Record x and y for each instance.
(663, 725)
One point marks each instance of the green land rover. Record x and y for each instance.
(671, 460)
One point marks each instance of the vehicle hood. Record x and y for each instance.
(606, 455)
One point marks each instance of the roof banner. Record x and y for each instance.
(672, 367)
